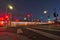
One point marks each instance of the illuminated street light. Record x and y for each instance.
(25, 18)
(10, 7)
(45, 11)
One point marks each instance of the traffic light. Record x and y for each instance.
(17, 20)
(1, 19)
(7, 17)
(55, 15)
(1, 23)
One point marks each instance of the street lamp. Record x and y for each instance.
(10, 7)
(45, 11)
(25, 18)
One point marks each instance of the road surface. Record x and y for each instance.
(29, 33)
(36, 34)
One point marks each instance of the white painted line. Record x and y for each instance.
(48, 29)
(46, 34)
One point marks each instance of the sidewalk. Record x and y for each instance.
(7, 36)
(11, 36)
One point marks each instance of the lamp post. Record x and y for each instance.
(10, 7)
(45, 11)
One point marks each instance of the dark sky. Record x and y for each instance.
(35, 7)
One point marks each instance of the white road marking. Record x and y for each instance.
(46, 34)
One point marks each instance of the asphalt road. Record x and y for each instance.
(28, 33)
(8, 36)
(33, 35)
(50, 31)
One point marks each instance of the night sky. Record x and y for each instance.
(35, 7)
